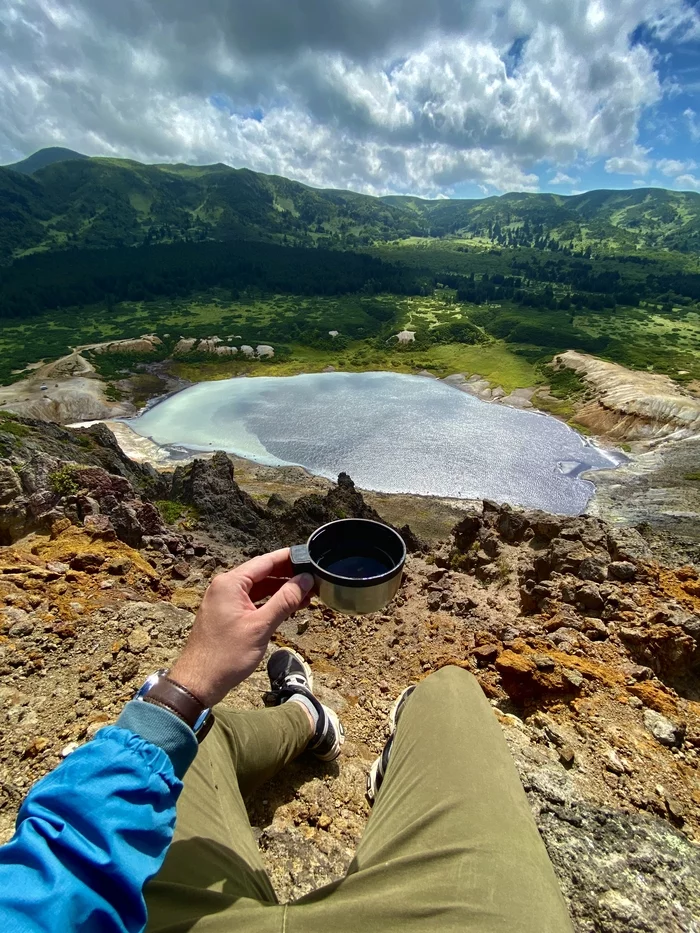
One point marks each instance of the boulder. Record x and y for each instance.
(10, 486)
(100, 526)
(465, 532)
(626, 544)
(594, 568)
(184, 345)
(623, 570)
(87, 562)
(485, 655)
(510, 664)
(545, 525)
(119, 566)
(516, 401)
(138, 640)
(664, 731)
(591, 532)
(566, 556)
(512, 526)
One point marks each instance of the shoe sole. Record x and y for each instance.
(395, 708)
(372, 780)
(372, 789)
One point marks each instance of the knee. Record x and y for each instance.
(450, 678)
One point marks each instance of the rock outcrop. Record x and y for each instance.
(147, 343)
(588, 649)
(216, 347)
(232, 516)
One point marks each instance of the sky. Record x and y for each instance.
(436, 98)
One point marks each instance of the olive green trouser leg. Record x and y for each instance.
(451, 844)
(213, 876)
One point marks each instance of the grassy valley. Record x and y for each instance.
(103, 249)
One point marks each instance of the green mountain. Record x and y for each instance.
(98, 202)
(614, 220)
(114, 202)
(45, 157)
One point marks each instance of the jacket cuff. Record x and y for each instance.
(162, 728)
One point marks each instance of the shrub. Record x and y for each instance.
(564, 382)
(112, 393)
(10, 425)
(174, 512)
(64, 482)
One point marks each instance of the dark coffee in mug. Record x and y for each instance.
(357, 564)
(358, 567)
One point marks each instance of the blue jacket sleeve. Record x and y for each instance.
(96, 829)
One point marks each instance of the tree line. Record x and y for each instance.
(72, 278)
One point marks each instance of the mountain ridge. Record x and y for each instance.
(104, 202)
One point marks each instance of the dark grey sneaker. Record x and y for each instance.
(378, 769)
(289, 675)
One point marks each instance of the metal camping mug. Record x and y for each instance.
(357, 564)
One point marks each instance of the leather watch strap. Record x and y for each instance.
(177, 699)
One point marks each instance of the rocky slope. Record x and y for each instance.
(65, 391)
(659, 488)
(632, 405)
(586, 646)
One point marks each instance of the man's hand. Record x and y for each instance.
(229, 635)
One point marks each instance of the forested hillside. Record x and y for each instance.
(95, 202)
(102, 247)
(614, 221)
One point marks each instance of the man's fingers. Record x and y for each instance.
(266, 587)
(288, 598)
(275, 564)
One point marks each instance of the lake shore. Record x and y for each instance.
(654, 486)
(392, 432)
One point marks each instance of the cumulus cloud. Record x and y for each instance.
(561, 179)
(688, 183)
(634, 164)
(375, 95)
(672, 167)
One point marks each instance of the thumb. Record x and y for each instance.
(285, 601)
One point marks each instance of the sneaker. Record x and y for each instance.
(289, 675)
(378, 769)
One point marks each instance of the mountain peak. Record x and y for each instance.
(44, 157)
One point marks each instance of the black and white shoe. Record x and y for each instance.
(289, 675)
(378, 769)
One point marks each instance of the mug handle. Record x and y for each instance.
(300, 558)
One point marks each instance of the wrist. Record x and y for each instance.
(195, 683)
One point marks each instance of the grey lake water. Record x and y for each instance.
(390, 432)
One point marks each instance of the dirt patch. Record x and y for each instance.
(64, 391)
